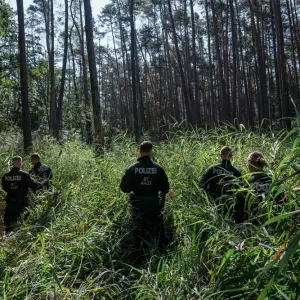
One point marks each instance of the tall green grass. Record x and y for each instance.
(77, 242)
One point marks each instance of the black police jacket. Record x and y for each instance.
(260, 182)
(16, 184)
(218, 179)
(42, 171)
(259, 188)
(145, 178)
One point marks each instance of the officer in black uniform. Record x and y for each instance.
(219, 178)
(148, 184)
(259, 185)
(40, 171)
(16, 184)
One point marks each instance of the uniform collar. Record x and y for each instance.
(37, 165)
(15, 169)
(143, 158)
(226, 162)
(258, 176)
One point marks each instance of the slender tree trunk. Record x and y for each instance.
(87, 102)
(234, 58)
(133, 72)
(224, 97)
(77, 96)
(277, 113)
(59, 111)
(121, 100)
(141, 98)
(196, 80)
(99, 135)
(183, 80)
(284, 93)
(24, 79)
(296, 27)
(293, 50)
(52, 70)
(261, 66)
(46, 16)
(212, 94)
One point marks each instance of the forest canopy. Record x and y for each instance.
(141, 65)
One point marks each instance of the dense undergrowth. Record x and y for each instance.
(77, 243)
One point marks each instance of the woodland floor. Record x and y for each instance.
(78, 243)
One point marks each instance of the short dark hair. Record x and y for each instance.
(257, 159)
(226, 151)
(146, 146)
(35, 156)
(17, 158)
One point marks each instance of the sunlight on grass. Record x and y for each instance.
(77, 242)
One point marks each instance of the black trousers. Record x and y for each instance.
(148, 218)
(11, 215)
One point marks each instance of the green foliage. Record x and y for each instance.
(77, 243)
(6, 16)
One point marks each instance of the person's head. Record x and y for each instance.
(256, 162)
(35, 158)
(17, 162)
(226, 153)
(146, 148)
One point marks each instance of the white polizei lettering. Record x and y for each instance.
(13, 186)
(221, 171)
(13, 178)
(262, 187)
(146, 181)
(145, 171)
(43, 169)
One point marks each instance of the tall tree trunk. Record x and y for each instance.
(196, 80)
(284, 93)
(293, 50)
(72, 55)
(234, 58)
(278, 111)
(138, 80)
(52, 70)
(24, 80)
(261, 67)
(133, 72)
(121, 100)
(212, 103)
(87, 102)
(88, 133)
(125, 68)
(183, 80)
(224, 97)
(99, 135)
(58, 121)
(46, 15)
(296, 27)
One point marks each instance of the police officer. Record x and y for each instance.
(259, 184)
(259, 179)
(218, 179)
(40, 171)
(148, 184)
(16, 184)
